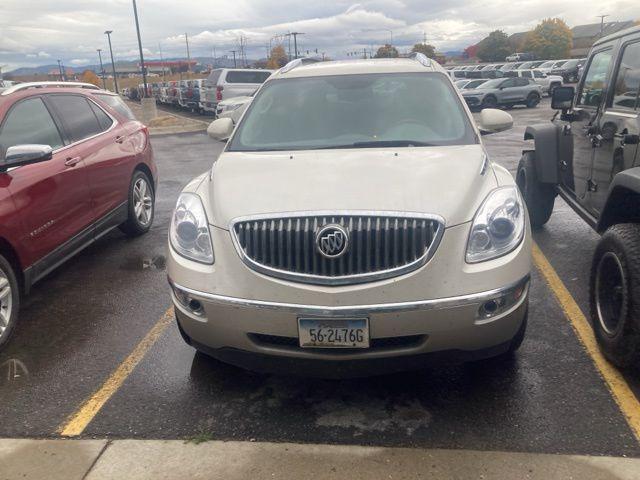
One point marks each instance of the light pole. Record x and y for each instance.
(104, 83)
(186, 39)
(60, 70)
(234, 58)
(144, 69)
(602, 17)
(113, 64)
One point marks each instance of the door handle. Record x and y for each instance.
(120, 139)
(72, 161)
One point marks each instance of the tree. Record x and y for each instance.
(278, 58)
(387, 51)
(551, 39)
(494, 48)
(425, 48)
(471, 51)
(88, 76)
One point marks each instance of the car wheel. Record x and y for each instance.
(539, 197)
(141, 205)
(533, 99)
(489, 102)
(9, 301)
(615, 294)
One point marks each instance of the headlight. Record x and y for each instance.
(498, 226)
(189, 231)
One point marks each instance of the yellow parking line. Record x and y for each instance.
(622, 394)
(79, 420)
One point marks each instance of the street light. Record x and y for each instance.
(60, 70)
(104, 83)
(113, 65)
(144, 70)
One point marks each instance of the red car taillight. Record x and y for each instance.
(219, 93)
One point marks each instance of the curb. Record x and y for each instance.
(26, 459)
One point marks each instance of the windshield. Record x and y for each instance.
(547, 65)
(354, 111)
(559, 64)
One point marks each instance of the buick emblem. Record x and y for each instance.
(332, 241)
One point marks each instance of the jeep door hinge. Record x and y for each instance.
(592, 186)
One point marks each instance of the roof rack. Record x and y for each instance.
(24, 86)
(297, 62)
(422, 58)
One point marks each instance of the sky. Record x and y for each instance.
(37, 32)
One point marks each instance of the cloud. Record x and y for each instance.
(36, 31)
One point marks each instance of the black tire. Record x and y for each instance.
(614, 294)
(137, 223)
(489, 102)
(9, 301)
(539, 197)
(533, 99)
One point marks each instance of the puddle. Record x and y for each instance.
(157, 262)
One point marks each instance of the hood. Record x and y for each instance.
(440, 180)
(235, 100)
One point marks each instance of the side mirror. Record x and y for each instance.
(562, 98)
(20, 155)
(493, 120)
(220, 129)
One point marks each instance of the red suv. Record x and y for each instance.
(74, 164)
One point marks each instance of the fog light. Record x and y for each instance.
(189, 303)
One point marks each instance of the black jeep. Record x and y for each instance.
(589, 155)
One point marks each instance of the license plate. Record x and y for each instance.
(333, 332)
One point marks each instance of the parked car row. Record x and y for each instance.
(203, 95)
(568, 69)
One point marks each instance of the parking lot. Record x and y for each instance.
(97, 354)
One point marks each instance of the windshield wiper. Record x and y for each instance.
(380, 143)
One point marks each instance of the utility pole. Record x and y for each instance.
(142, 65)
(234, 58)
(213, 65)
(295, 42)
(60, 70)
(104, 83)
(186, 39)
(161, 61)
(113, 65)
(602, 17)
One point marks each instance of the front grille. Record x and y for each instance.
(380, 245)
(386, 343)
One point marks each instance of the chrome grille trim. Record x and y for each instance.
(290, 236)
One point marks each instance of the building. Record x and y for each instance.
(584, 36)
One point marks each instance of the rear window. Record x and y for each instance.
(240, 76)
(118, 105)
(213, 77)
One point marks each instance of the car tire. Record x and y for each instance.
(539, 197)
(141, 206)
(9, 301)
(489, 102)
(614, 294)
(533, 99)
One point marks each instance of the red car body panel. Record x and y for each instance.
(45, 205)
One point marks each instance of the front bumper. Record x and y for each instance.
(263, 335)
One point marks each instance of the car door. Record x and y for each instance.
(576, 172)
(102, 143)
(507, 91)
(52, 197)
(618, 118)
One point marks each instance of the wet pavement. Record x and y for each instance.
(84, 319)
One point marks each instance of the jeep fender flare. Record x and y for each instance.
(623, 200)
(546, 139)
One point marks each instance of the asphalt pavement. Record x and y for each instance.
(81, 322)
